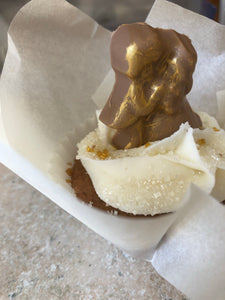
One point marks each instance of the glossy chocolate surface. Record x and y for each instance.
(153, 73)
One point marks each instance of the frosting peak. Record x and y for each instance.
(153, 73)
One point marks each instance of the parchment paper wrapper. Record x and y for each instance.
(57, 59)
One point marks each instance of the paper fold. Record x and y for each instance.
(191, 255)
(53, 71)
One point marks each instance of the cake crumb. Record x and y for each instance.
(216, 129)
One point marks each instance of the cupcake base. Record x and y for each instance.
(84, 190)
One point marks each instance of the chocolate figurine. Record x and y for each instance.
(153, 73)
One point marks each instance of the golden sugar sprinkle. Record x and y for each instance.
(90, 149)
(147, 144)
(103, 154)
(69, 172)
(201, 142)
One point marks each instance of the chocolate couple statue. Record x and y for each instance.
(153, 74)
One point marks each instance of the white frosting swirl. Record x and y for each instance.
(153, 179)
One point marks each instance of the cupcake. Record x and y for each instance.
(149, 145)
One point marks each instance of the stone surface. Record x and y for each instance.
(47, 254)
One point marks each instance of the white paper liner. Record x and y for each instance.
(196, 266)
(52, 75)
(42, 92)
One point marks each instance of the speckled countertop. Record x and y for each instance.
(47, 254)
